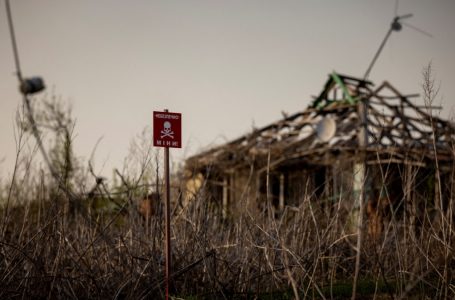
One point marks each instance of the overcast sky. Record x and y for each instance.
(225, 65)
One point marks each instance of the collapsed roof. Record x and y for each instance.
(379, 122)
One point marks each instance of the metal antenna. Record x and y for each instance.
(394, 26)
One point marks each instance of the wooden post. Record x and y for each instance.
(225, 197)
(281, 199)
(410, 208)
(361, 179)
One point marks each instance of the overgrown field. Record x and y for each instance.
(104, 248)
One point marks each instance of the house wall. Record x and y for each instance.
(394, 192)
(324, 186)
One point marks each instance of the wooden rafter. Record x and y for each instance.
(397, 129)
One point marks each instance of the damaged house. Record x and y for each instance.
(354, 139)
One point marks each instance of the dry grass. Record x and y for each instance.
(47, 253)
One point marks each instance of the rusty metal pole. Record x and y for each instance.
(167, 219)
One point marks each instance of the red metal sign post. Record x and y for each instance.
(167, 133)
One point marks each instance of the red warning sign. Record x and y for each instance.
(167, 129)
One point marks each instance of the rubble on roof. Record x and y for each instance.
(396, 130)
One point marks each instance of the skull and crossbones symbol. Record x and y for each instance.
(167, 131)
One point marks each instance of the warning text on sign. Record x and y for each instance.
(167, 129)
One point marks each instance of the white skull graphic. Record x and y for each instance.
(167, 131)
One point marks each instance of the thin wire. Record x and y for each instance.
(417, 29)
(13, 41)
